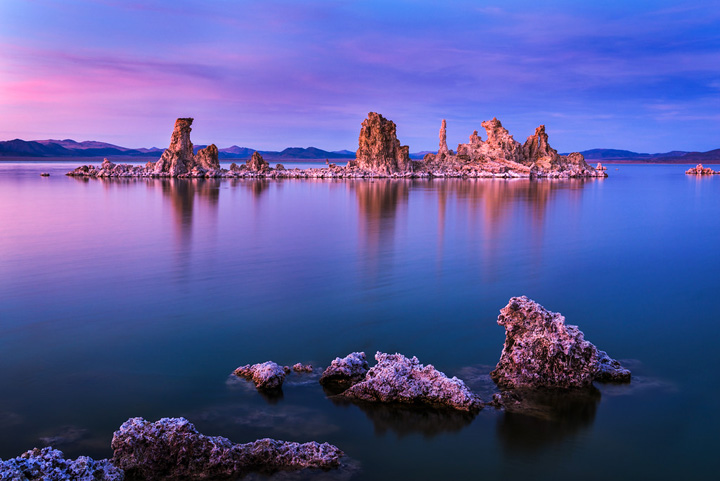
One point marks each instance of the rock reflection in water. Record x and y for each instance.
(532, 420)
(406, 420)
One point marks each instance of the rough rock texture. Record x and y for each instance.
(379, 154)
(599, 166)
(266, 376)
(172, 448)
(49, 464)
(299, 367)
(397, 379)
(348, 370)
(256, 163)
(700, 170)
(379, 149)
(207, 158)
(178, 157)
(542, 351)
(443, 150)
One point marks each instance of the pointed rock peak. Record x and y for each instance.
(443, 148)
(475, 138)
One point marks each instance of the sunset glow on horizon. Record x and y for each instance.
(642, 75)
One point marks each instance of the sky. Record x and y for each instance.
(636, 75)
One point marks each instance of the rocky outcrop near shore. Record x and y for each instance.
(172, 448)
(379, 149)
(346, 371)
(700, 170)
(398, 379)
(379, 154)
(50, 464)
(267, 376)
(541, 351)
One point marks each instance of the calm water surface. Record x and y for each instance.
(139, 297)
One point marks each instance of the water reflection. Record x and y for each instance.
(533, 420)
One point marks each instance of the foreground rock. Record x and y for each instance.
(542, 351)
(267, 376)
(172, 448)
(397, 379)
(379, 154)
(346, 371)
(50, 464)
(700, 170)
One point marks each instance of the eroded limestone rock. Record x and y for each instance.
(346, 371)
(542, 351)
(379, 149)
(256, 163)
(172, 448)
(300, 367)
(49, 464)
(178, 157)
(207, 158)
(397, 379)
(267, 376)
(700, 170)
(443, 150)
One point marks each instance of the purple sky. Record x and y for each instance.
(636, 75)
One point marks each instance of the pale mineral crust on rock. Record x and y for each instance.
(267, 376)
(172, 448)
(379, 149)
(49, 464)
(700, 170)
(348, 370)
(397, 379)
(542, 351)
(256, 163)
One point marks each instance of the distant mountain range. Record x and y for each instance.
(71, 148)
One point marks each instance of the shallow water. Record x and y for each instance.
(125, 298)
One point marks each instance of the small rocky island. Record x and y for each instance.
(700, 170)
(379, 155)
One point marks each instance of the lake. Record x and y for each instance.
(139, 297)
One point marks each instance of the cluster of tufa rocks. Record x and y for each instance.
(171, 448)
(700, 170)
(379, 154)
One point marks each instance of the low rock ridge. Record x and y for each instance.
(541, 351)
(379, 155)
(172, 448)
(50, 464)
(397, 379)
(700, 170)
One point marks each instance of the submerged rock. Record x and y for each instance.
(542, 351)
(172, 448)
(397, 379)
(49, 464)
(346, 371)
(379, 149)
(267, 376)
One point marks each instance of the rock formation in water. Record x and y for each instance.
(542, 351)
(207, 158)
(700, 170)
(397, 379)
(172, 448)
(379, 154)
(443, 150)
(50, 464)
(178, 157)
(267, 376)
(300, 367)
(379, 149)
(256, 163)
(346, 371)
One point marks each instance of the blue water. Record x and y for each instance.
(139, 297)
